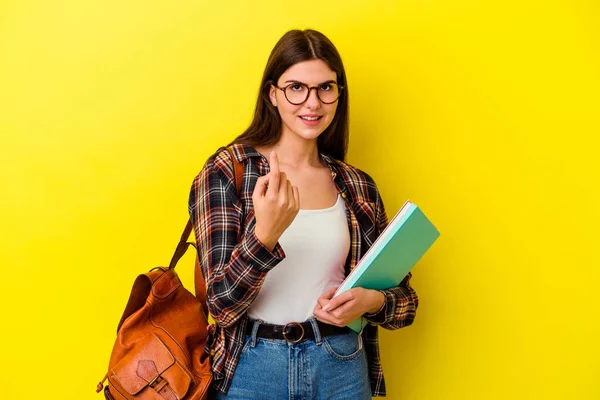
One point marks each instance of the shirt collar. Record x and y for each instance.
(243, 151)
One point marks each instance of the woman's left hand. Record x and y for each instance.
(348, 306)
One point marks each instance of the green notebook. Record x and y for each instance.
(403, 242)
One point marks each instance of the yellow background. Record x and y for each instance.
(484, 113)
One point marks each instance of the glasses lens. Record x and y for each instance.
(328, 92)
(296, 93)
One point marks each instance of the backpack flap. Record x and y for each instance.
(151, 365)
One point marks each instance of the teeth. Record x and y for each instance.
(310, 118)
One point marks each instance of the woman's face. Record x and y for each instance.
(309, 119)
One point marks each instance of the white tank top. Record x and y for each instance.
(316, 245)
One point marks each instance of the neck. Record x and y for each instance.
(297, 152)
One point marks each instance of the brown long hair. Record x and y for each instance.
(294, 47)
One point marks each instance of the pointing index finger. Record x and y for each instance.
(274, 163)
(274, 173)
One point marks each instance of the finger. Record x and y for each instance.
(321, 302)
(290, 192)
(338, 301)
(342, 310)
(283, 181)
(326, 317)
(296, 197)
(261, 185)
(274, 170)
(329, 294)
(325, 297)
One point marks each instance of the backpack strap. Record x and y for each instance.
(183, 244)
(238, 169)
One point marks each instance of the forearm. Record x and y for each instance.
(233, 268)
(376, 301)
(232, 286)
(399, 308)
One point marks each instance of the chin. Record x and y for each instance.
(308, 132)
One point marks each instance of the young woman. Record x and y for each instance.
(274, 253)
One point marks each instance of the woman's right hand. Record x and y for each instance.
(275, 206)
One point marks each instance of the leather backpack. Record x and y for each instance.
(159, 353)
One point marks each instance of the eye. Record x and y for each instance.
(296, 87)
(326, 87)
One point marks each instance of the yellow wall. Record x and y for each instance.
(483, 113)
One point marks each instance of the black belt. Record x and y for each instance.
(294, 332)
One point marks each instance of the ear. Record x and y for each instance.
(272, 95)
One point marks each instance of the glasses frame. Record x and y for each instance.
(310, 88)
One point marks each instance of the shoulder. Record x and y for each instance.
(221, 161)
(358, 182)
(218, 166)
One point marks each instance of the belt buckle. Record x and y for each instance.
(289, 327)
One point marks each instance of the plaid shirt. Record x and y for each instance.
(235, 263)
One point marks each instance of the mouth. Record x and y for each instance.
(311, 120)
(311, 117)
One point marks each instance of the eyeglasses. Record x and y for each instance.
(297, 93)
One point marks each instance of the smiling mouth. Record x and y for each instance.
(311, 118)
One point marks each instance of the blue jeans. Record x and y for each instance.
(332, 367)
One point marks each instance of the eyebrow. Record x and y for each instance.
(294, 81)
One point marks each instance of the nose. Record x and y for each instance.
(313, 101)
